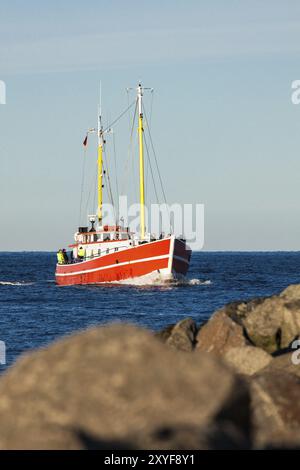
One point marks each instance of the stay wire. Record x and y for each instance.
(151, 170)
(126, 169)
(120, 116)
(116, 176)
(157, 168)
(82, 184)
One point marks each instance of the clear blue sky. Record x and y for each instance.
(226, 132)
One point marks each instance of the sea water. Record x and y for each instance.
(34, 311)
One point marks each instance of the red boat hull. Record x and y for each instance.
(168, 257)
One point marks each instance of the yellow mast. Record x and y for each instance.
(141, 155)
(100, 171)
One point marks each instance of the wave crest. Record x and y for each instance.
(15, 283)
(153, 279)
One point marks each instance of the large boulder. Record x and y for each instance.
(273, 324)
(118, 387)
(247, 360)
(219, 334)
(276, 409)
(270, 323)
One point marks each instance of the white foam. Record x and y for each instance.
(148, 280)
(16, 283)
(197, 282)
(155, 279)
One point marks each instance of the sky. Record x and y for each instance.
(226, 132)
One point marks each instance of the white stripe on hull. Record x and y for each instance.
(116, 265)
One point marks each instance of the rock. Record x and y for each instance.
(118, 387)
(285, 362)
(220, 334)
(239, 310)
(269, 323)
(273, 324)
(183, 335)
(247, 359)
(165, 333)
(291, 293)
(276, 409)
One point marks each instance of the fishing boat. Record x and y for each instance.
(113, 253)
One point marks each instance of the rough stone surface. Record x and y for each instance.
(239, 310)
(273, 324)
(276, 409)
(183, 335)
(286, 362)
(248, 359)
(118, 387)
(220, 334)
(291, 293)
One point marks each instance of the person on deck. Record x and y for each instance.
(60, 257)
(81, 253)
(65, 256)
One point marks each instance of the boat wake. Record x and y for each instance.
(153, 279)
(15, 283)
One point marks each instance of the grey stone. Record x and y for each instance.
(118, 387)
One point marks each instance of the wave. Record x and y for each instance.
(198, 282)
(15, 283)
(153, 279)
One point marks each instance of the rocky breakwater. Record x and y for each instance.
(228, 384)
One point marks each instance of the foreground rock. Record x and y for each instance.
(118, 387)
(286, 362)
(276, 409)
(232, 383)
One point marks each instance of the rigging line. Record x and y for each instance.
(82, 184)
(95, 197)
(132, 186)
(108, 184)
(151, 108)
(116, 176)
(119, 117)
(108, 177)
(157, 167)
(146, 180)
(155, 158)
(151, 171)
(129, 117)
(126, 169)
(93, 185)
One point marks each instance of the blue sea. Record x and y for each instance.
(35, 312)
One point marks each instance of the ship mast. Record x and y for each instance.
(141, 158)
(100, 162)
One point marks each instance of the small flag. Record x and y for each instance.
(85, 141)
